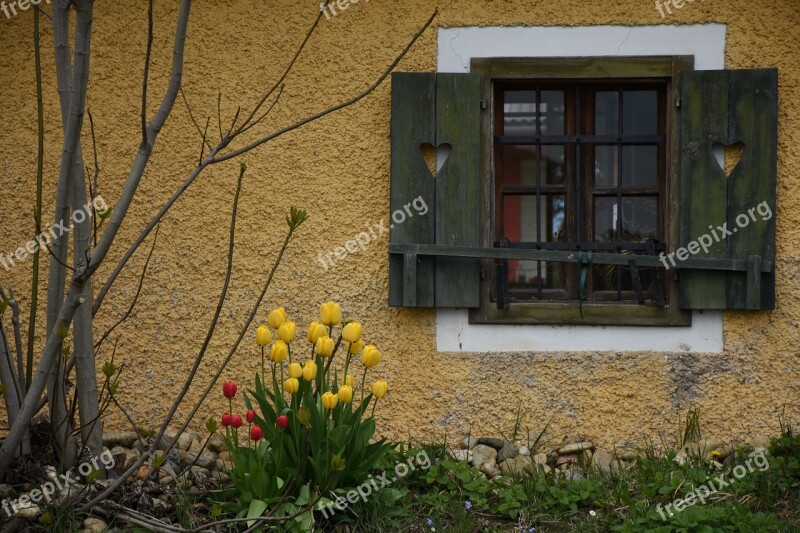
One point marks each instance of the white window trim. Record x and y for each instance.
(457, 46)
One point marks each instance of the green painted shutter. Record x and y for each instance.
(724, 108)
(435, 109)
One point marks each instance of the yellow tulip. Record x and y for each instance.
(329, 400)
(310, 371)
(345, 394)
(325, 346)
(295, 370)
(278, 352)
(379, 389)
(286, 332)
(277, 317)
(371, 356)
(351, 332)
(356, 347)
(263, 335)
(348, 380)
(315, 331)
(291, 385)
(330, 313)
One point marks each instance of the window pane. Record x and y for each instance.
(552, 113)
(605, 219)
(519, 165)
(639, 112)
(639, 166)
(520, 214)
(606, 113)
(605, 166)
(519, 113)
(639, 218)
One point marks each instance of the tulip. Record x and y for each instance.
(291, 385)
(282, 421)
(287, 331)
(325, 346)
(278, 352)
(276, 318)
(250, 416)
(310, 371)
(371, 356)
(379, 389)
(348, 380)
(345, 394)
(226, 419)
(236, 421)
(229, 389)
(263, 335)
(256, 433)
(295, 370)
(330, 313)
(315, 331)
(356, 347)
(352, 332)
(329, 400)
(304, 415)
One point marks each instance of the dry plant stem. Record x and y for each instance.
(37, 212)
(14, 305)
(8, 377)
(73, 299)
(213, 158)
(132, 517)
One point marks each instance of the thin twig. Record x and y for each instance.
(196, 125)
(147, 68)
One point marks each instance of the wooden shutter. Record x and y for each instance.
(435, 109)
(725, 108)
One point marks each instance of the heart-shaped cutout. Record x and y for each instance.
(727, 156)
(435, 156)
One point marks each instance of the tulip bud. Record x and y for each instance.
(278, 352)
(282, 421)
(325, 346)
(236, 421)
(304, 415)
(286, 332)
(256, 433)
(379, 389)
(295, 370)
(250, 416)
(310, 371)
(356, 347)
(345, 394)
(229, 389)
(330, 313)
(351, 332)
(291, 385)
(370, 356)
(315, 331)
(329, 400)
(226, 420)
(337, 462)
(276, 318)
(348, 380)
(263, 335)
(211, 425)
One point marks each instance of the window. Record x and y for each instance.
(563, 183)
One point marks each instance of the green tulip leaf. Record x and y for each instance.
(257, 508)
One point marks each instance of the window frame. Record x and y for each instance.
(554, 70)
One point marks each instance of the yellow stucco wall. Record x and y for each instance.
(338, 169)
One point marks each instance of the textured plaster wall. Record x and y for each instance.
(338, 169)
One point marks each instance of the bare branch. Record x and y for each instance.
(196, 125)
(147, 68)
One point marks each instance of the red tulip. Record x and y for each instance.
(229, 389)
(236, 421)
(250, 416)
(282, 421)
(226, 420)
(256, 433)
